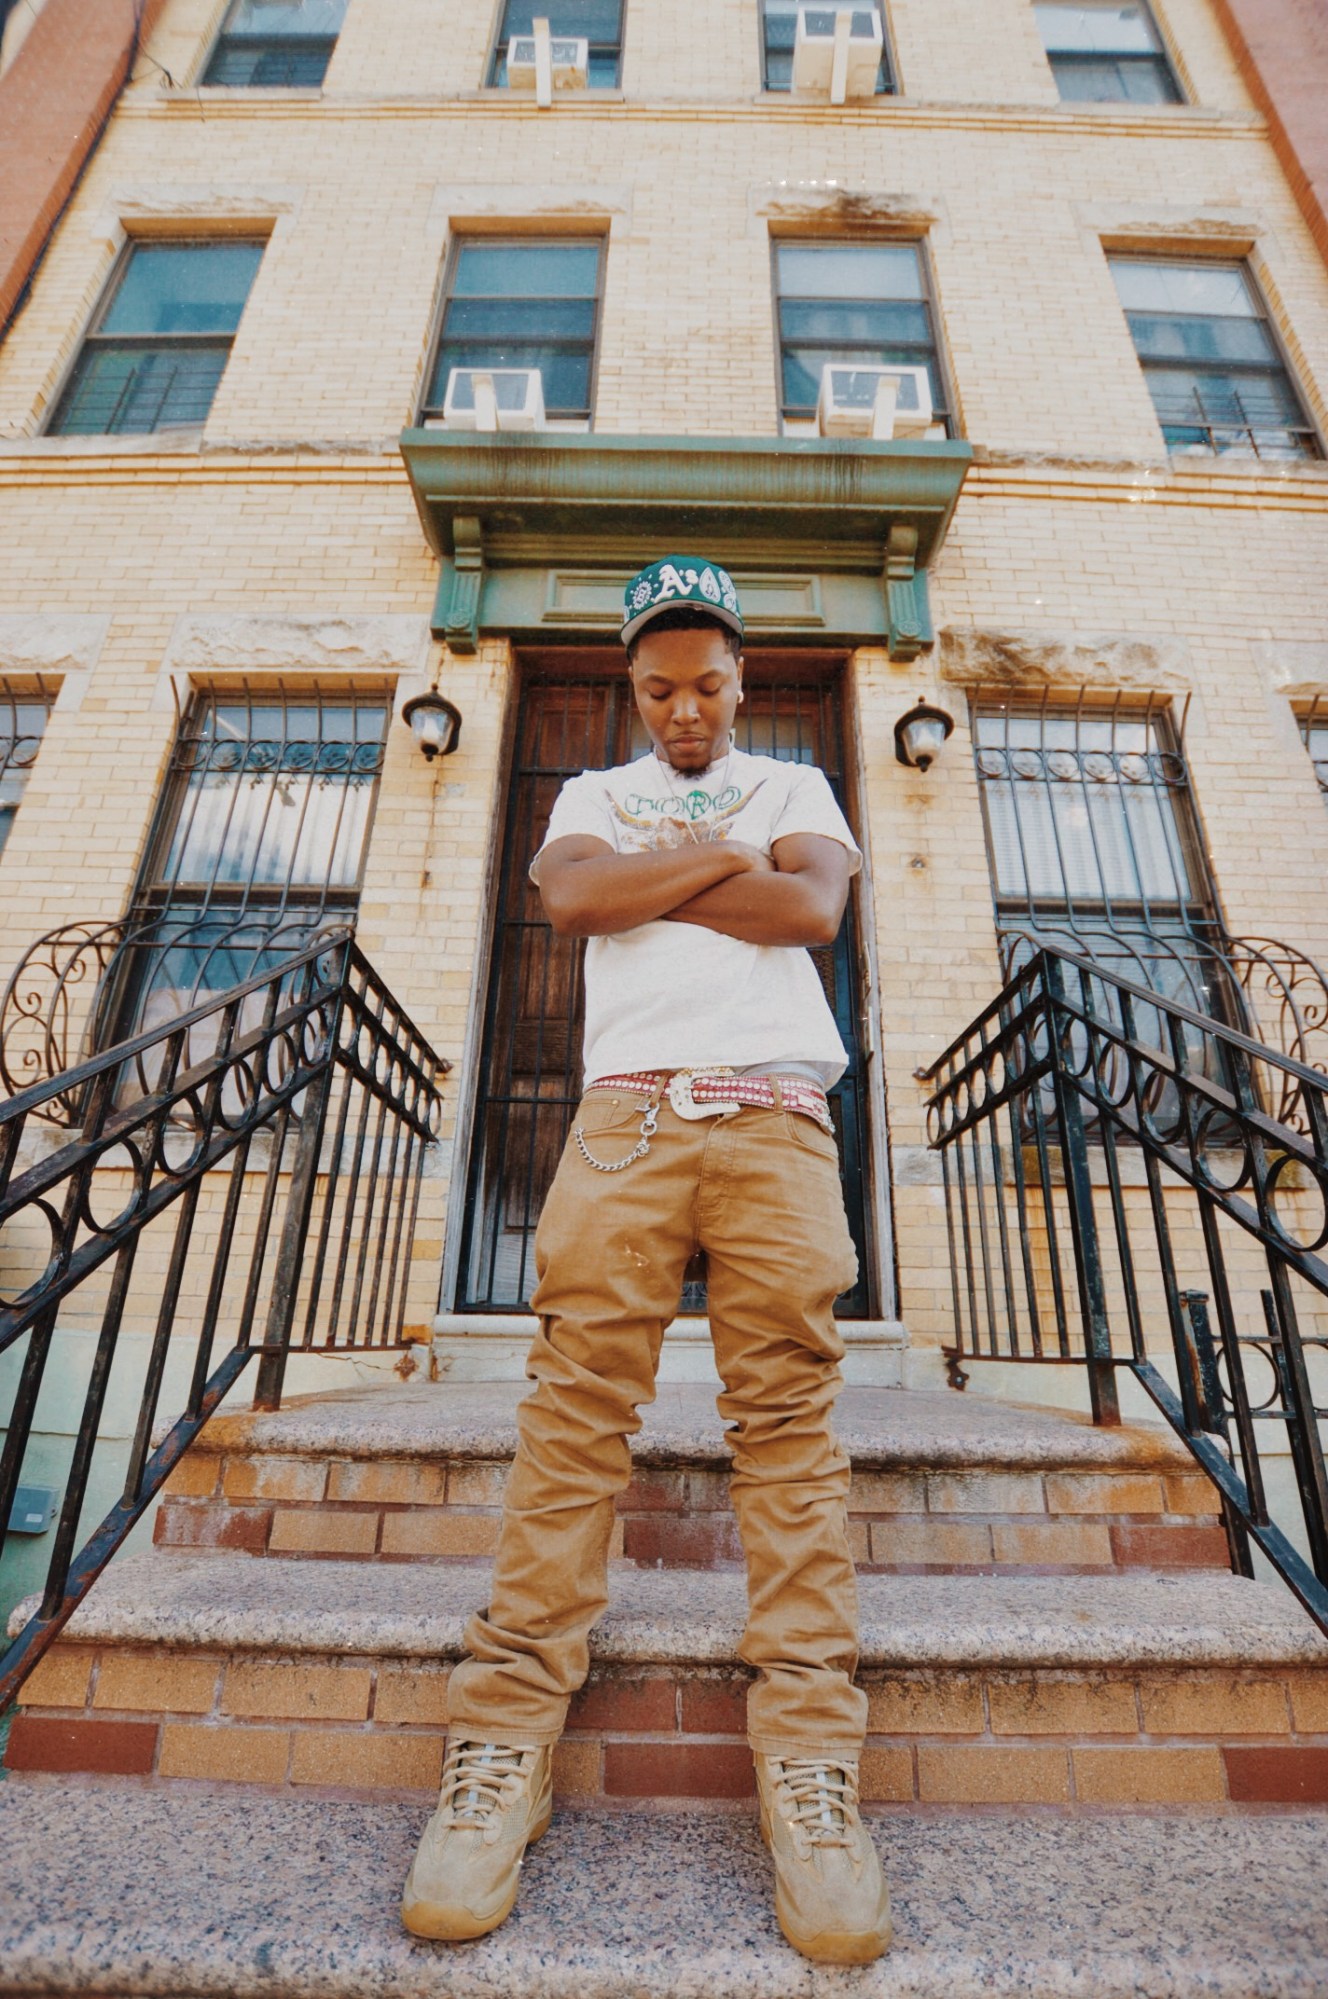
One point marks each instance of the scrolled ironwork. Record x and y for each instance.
(245, 1181)
(1199, 1206)
(48, 1006)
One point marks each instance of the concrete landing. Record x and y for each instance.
(196, 1895)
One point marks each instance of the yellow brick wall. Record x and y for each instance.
(294, 502)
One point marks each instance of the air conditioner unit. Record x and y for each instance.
(873, 401)
(837, 52)
(543, 63)
(494, 399)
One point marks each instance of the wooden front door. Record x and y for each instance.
(581, 716)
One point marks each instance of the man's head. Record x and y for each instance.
(683, 632)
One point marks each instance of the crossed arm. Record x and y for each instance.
(793, 896)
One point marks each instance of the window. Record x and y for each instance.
(1107, 54)
(1217, 378)
(598, 22)
(1313, 723)
(864, 302)
(23, 715)
(779, 26)
(258, 847)
(523, 305)
(1092, 842)
(160, 341)
(276, 44)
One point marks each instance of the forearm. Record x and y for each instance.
(785, 909)
(607, 893)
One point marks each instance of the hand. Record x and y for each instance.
(757, 862)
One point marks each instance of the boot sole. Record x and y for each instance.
(435, 1925)
(830, 1946)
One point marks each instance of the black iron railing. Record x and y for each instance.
(245, 1182)
(1125, 1176)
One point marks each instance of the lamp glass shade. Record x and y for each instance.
(434, 723)
(924, 739)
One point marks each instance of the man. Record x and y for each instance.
(700, 875)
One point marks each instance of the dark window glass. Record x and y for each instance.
(23, 713)
(864, 302)
(160, 342)
(1210, 360)
(1105, 54)
(523, 305)
(276, 44)
(598, 22)
(779, 27)
(259, 844)
(1093, 848)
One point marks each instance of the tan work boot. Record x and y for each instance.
(496, 1799)
(830, 1895)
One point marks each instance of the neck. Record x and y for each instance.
(699, 770)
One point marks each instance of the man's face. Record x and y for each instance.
(687, 686)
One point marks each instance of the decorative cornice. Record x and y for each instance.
(822, 504)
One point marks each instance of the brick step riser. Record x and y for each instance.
(904, 1523)
(1081, 1739)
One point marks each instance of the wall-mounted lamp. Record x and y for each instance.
(434, 723)
(920, 735)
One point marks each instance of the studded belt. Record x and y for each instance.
(701, 1093)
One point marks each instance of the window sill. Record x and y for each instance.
(151, 443)
(223, 93)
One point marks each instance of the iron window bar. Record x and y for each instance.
(25, 708)
(598, 22)
(1106, 862)
(1056, 1261)
(257, 849)
(779, 23)
(263, 1196)
(1313, 725)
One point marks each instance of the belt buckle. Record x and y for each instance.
(682, 1100)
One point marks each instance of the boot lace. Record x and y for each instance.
(480, 1779)
(824, 1797)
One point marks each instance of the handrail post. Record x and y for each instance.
(299, 1208)
(1083, 1220)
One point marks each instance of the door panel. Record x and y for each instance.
(530, 1078)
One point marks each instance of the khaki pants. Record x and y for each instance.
(759, 1192)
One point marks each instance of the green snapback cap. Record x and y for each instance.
(675, 583)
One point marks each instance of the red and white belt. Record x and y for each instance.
(699, 1093)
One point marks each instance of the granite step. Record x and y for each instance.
(1069, 1691)
(941, 1484)
(200, 1895)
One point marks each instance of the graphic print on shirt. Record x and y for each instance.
(691, 818)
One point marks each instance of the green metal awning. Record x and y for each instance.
(826, 537)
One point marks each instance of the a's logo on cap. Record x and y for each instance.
(675, 581)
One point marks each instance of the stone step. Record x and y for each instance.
(197, 1894)
(940, 1484)
(1075, 1692)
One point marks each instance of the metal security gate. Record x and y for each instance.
(530, 1074)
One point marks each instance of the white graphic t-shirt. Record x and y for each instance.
(675, 995)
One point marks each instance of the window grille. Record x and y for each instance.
(524, 305)
(1211, 360)
(276, 44)
(1107, 53)
(258, 846)
(1313, 723)
(23, 713)
(779, 27)
(160, 340)
(1092, 841)
(852, 302)
(597, 22)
